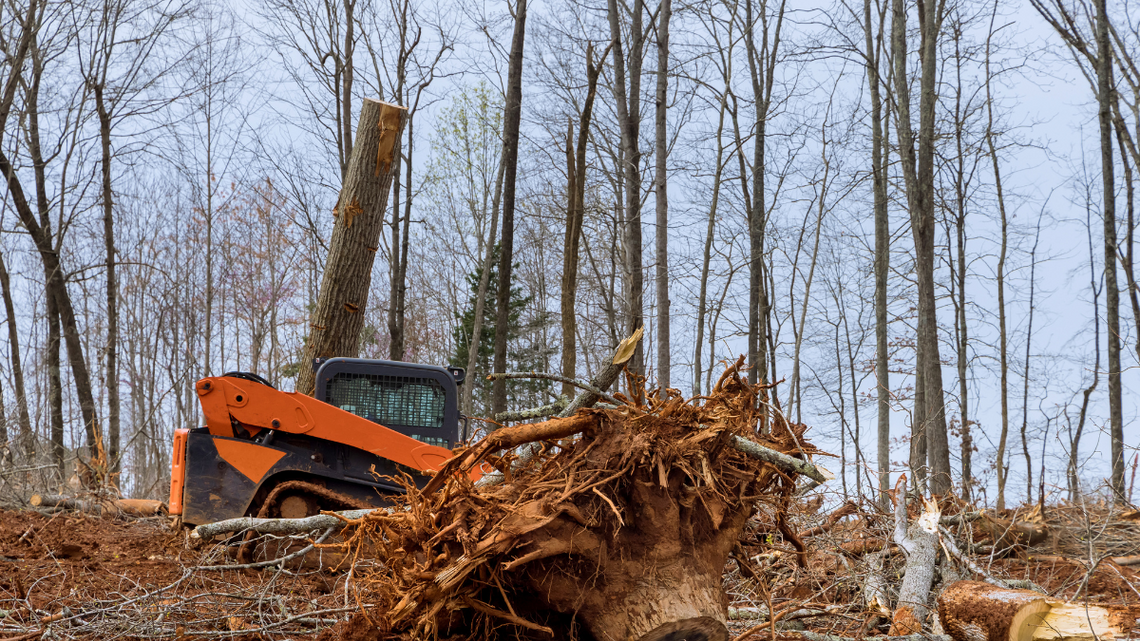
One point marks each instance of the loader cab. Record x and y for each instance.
(420, 401)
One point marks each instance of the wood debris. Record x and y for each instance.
(620, 524)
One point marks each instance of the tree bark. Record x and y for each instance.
(882, 248)
(111, 351)
(1112, 291)
(629, 122)
(576, 207)
(661, 152)
(702, 299)
(971, 610)
(512, 116)
(24, 439)
(339, 315)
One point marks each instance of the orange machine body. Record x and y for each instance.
(257, 437)
(257, 407)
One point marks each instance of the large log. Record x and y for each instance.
(977, 611)
(133, 507)
(339, 315)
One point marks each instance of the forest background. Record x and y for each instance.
(917, 218)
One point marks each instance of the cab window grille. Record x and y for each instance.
(406, 401)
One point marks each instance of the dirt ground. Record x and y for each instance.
(87, 577)
(73, 576)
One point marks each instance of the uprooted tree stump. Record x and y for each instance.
(619, 526)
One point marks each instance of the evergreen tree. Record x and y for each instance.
(523, 352)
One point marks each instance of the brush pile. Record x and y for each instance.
(617, 528)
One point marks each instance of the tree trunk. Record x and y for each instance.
(1073, 468)
(112, 352)
(576, 209)
(661, 152)
(24, 439)
(346, 78)
(882, 249)
(1025, 375)
(339, 315)
(761, 67)
(929, 434)
(397, 319)
(937, 434)
(702, 300)
(1112, 291)
(920, 542)
(481, 295)
(512, 116)
(55, 285)
(958, 283)
(1003, 337)
(971, 610)
(629, 122)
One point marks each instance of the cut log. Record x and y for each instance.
(338, 318)
(1009, 535)
(140, 507)
(133, 507)
(977, 611)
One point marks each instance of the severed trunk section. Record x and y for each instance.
(972, 611)
(339, 316)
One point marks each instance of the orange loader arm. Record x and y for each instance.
(258, 407)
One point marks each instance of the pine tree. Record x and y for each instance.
(523, 353)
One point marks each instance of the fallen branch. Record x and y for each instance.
(845, 510)
(551, 377)
(920, 543)
(947, 541)
(816, 636)
(511, 437)
(603, 379)
(782, 462)
(281, 561)
(534, 412)
(277, 526)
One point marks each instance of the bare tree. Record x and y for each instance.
(763, 57)
(576, 209)
(661, 153)
(511, 123)
(120, 67)
(629, 174)
(24, 420)
(929, 442)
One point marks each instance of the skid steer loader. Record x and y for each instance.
(264, 452)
